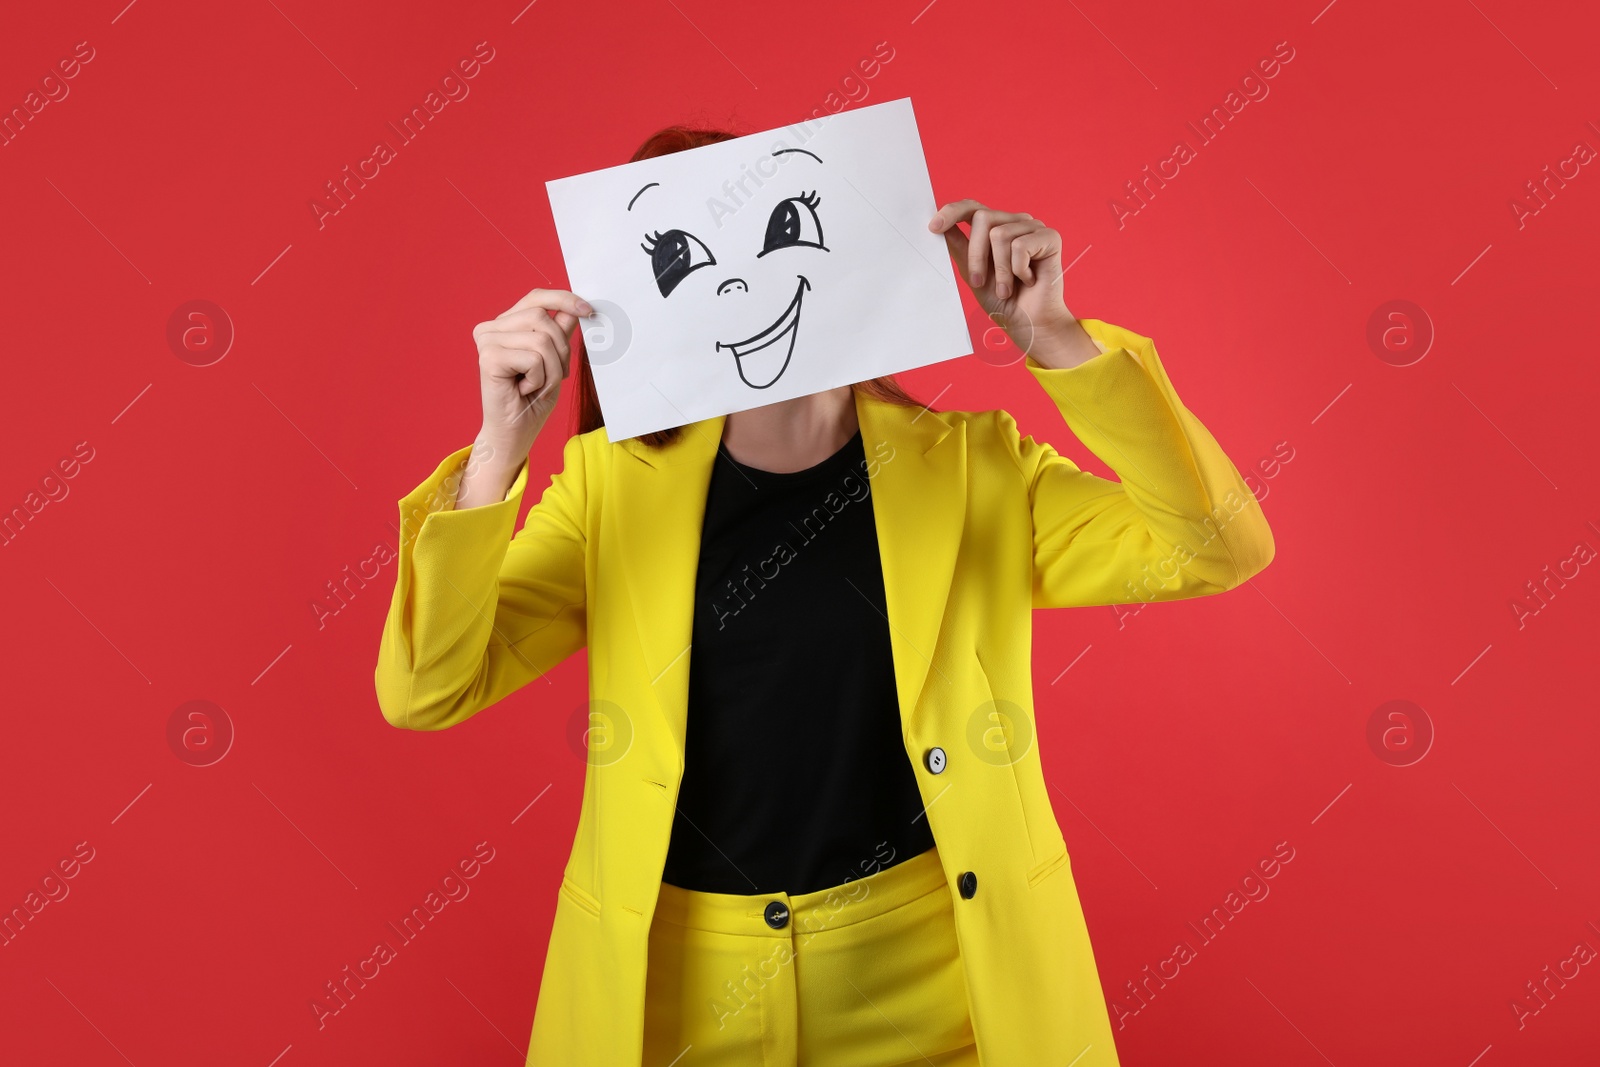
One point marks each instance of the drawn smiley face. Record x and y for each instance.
(772, 293)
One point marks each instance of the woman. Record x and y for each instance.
(824, 837)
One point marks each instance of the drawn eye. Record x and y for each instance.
(675, 255)
(794, 222)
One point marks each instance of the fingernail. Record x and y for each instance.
(583, 306)
(977, 277)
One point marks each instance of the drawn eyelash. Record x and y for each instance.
(811, 199)
(651, 240)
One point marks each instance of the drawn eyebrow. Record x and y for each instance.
(637, 195)
(813, 155)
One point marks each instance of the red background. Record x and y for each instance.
(1184, 743)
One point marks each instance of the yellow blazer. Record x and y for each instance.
(977, 526)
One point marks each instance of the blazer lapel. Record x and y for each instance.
(919, 503)
(659, 505)
(919, 473)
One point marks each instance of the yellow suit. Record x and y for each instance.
(976, 527)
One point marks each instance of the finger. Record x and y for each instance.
(564, 350)
(522, 341)
(512, 365)
(552, 378)
(529, 381)
(553, 327)
(559, 327)
(1022, 260)
(978, 249)
(944, 220)
(553, 300)
(1033, 247)
(521, 319)
(1002, 241)
(534, 380)
(1001, 238)
(542, 326)
(956, 242)
(982, 248)
(522, 355)
(528, 392)
(534, 386)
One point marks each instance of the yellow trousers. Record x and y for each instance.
(865, 974)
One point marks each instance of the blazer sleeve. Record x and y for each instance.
(476, 612)
(1180, 521)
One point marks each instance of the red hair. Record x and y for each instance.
(586, 406)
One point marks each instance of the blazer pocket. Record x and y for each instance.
(581, 897)
(1050, 866)
(1028, 819)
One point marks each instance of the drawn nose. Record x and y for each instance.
(728, 285)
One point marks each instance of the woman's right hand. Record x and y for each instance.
(523, 356)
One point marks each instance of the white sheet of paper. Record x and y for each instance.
(784, 263)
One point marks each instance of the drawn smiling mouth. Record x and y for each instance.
(761, 371)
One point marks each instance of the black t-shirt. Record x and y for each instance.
(795, 774)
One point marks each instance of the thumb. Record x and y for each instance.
(565, 321)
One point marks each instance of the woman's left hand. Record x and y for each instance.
(1012, 263)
